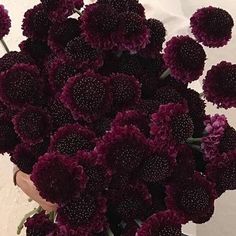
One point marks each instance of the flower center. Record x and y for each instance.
(168, 231)
(227, 81)
(228, 141)
(227, 179)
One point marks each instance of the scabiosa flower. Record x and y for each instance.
(20, 85)
(132, 117)
(222, 172)
(220, 137)
(60, 70)
(212, 26)
(83, 54)
(164, 223)
(58, 178)
(39, 224)
(185, 58)
(132, 203)
(134, 34)
(72, 138)
(59, 10)
(192, 199)
(36, 23)
(124, 148)
(157, 38)
(101, 126)
(87, 95)
(100, 25)
(8, 137)
(171, 126)
(99, 176)
(85, 213)
(220, 85)
(62, 33)
(148, 106)
(60, 115)
(5, 22)
(32, 124)
(126, 90)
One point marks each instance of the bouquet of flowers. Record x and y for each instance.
(103, 120)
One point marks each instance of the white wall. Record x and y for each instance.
(174, 14)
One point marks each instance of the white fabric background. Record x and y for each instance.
(174, 14)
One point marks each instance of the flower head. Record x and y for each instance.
(5, 22)
(185, 58)
(212, 26)
(58, 178)
(220, 85)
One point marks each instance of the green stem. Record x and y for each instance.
(138, 222)
(194, 140)
(109, 232)
(196, 147)
(165, 74)
(5, 45)
(77, 11)
(52, 216)
(21, 225)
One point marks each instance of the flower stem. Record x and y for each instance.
(138, 222)
(165, 74)
(77, 11)
(52, 216)
(21, 225)
(109, 232)
(5, 45)
(196, 147)
(194, 140)
(202, 95)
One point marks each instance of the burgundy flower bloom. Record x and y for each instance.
(220, 85)
(124, 148)
(20, 85)
(192, 199)
(99, 176)
(72, 138)
(39, 224)
(185, 58)
(60, 70)
(85, 213)
(132, 117)
(36, 23)
(59, 114)
(58, 178)
(12, 58)
(220, 137)
(165, 223)
(132, 203)
(5, 22)
(83, 54)
(212, 26)
(222, 171)
(32, 124)
(171, 126)
(100, 26)
(157, 38)
(125, 90)
(59, 10)
(62, 33)
(87, 95)
(148, 106)
(8, 137)
(134, 34)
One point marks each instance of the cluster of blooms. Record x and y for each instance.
(120, 148)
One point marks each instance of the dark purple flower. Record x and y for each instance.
(36, 23)
(212, 26)
(185, 58)
(62, 33)
(85, 213)
(148, 106)
(70, 139)
(192, 199)
(20, 85)
(32, 124)
(171, 126)
(220, 85)
(222, 172)
(58, 178)
(39, 224)
(5, 22)
(100, 25)
(164, 223)
(134, 34)
(220, 137)
(124, 148)
(87, 95)
(59, 10)
(126, 90)
(101, 126)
